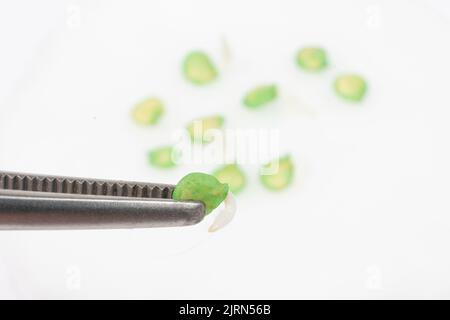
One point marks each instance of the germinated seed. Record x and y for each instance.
(282, 177)
(351, 87)
(312, 59)
(198, 68)
(260, 96)
(148, 112)
(233, 175)
(162, 157)
(198, 129)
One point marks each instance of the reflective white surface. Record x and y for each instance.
(368, 215)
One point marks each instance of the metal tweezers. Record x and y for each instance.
(36, 202)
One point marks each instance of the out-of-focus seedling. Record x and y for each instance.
(199, 69)
(278, 174)
(148, 112)
(198, 128)
(163, 157)
(351, 87)
(260, 96)
(233, 175)
(312, 59)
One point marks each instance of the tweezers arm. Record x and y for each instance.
(21, 210)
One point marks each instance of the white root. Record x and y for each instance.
(226, 214)
(225, 51)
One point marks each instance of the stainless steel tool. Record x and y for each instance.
(36, 202)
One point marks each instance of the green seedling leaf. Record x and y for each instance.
(202, 187)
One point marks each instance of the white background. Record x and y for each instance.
(368, 214)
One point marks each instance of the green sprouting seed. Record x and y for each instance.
(260, 96)
(232, 175)
(198, 128)
(280, 179)
(201, 187)
(198, 68)
(312, 59)
(148, 112)
(163, 157)
(351, 87)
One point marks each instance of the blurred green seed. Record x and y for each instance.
(351, 87)
(198, 128)
(201, 187)
(260, 96)
(198, 68)
(163, 157)
(312, 59)
(233, 176)
(148, 112)
(280, 179)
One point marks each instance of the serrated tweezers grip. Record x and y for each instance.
(36, 202)
(81, 186)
